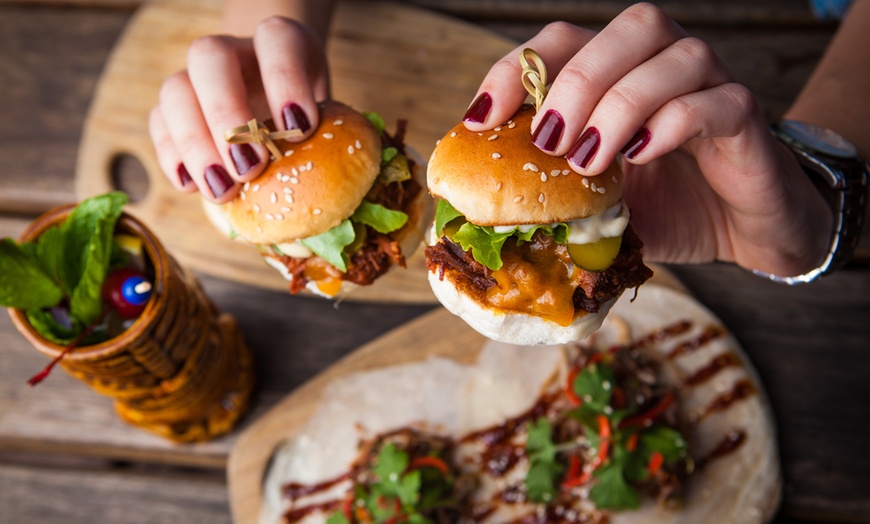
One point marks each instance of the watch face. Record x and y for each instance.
(818, 138)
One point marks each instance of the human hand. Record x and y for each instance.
(280, 74)
(705, 180)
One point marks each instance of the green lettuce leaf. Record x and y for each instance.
(484, 242)
(376, 121)
(444, 214)
(380, 218)
(23, 283)
(330, 245)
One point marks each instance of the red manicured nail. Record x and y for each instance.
(585, 148)
(244, 157)
(218, 179)
(183, 175)
(479, 109)
(295, 118)
(637, 143)
(549, 131)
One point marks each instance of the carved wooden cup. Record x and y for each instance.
(182, 370)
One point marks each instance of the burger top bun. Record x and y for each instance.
(519, 183)
(315, 185)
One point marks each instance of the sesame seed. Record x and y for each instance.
(357, 144)
(278, 176)
(437, 141)
(285, 209)
(242, 195)
(288, 190)
(338, 122)
(256, 208)
(593, 187)
(566, 171)
(452, 134)
(492, 137)
(613, 178)
(309, 165)
(307, 147)
(317, 211)
(543, 177)
(533, 167)
(269, 216)
(512, 125)
(279, 216)
(247, 186)
(273, 197)
(350, 149)
(480, 134)
(328, 136)
(526, 166)
(602, 190)
(294, 180)
(289, 198)
(497, 129)
(554, 172)
(285, 178)
(518, 198)
(295, 171)
(496, 156)
(498, 186)
(256, 187)
(585, 182)
(541, 198)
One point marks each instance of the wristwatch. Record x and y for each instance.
(837, 170)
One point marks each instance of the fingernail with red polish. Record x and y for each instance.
(549, 131)
(183, 175)
(244, 157)
(637, 143)
(218, 180)
(585, 148)
(295, 118)
(479, 109)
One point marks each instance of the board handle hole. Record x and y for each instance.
(129, 176)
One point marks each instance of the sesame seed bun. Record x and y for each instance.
(315, 185)
(519, 183)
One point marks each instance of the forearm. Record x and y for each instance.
(837, 95)
(241, 16)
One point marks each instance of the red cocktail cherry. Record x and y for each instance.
(127, 291)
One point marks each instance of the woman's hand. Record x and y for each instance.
(705, 179)
(280, 74)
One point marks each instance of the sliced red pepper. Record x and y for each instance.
(645, 419)
(347, 507)
(604, 433)
(573, 472)
(569, 387)
(655, 463)
(631, 444)
(432, 462)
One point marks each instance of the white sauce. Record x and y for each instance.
(610, 223)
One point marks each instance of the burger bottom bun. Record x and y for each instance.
(509, 327)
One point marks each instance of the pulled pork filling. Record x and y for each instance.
(379, 251)
(538, 277)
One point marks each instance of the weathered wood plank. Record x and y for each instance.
(50, 495)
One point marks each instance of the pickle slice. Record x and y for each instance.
(596, 256)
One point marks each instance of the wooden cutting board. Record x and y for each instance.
(399, 61)
(436, 334)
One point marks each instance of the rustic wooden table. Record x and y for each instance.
(65, 458)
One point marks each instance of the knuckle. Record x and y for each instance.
(173, 84)
(696, 51)
(742, 100)
(208, 46)
(577, 79)
(560, 30)
(622, 99)
(506, 66)
(647, 14)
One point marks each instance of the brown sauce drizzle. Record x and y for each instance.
(295, 490)
(742, 389)
(297, 514)
(716, 365)
(709, 333)
(662, 334)
(501, 432)
(732, 440)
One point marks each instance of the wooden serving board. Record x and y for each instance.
(436, 334)
(399, 61)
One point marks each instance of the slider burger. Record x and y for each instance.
(335, 211)
(523, 248)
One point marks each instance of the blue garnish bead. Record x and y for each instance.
(136, 290)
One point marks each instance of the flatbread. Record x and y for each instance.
(442, 396)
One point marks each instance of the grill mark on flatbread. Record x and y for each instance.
(716, 364)
(661, 335)
(731, 441)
